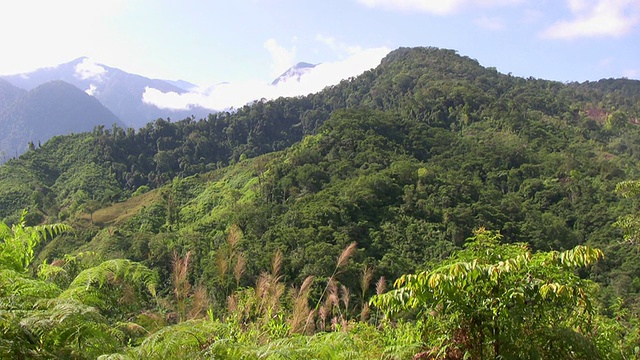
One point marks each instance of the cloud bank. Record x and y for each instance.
(596, 18)
(225, 96)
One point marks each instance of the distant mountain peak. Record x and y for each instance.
(294, 73)
(301, 65)
(53, 108)
(119, 91)
(86, 69)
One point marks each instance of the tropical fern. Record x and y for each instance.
(18, 242)
(184, 340)
(18, 291)
(88, 286)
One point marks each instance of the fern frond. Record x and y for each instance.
(87, 286)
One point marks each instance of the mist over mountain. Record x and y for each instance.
(31, 111)
(53, 108)
(119, 91)
(294, 73)
(182, 84)
(405, 166)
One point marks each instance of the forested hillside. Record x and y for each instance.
(427, 162)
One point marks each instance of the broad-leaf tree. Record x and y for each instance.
(502, 300)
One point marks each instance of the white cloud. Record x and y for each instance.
(224, 96)
(596, 18)
(92, 90)
(88, 69)
(577, 5)
(281, 58)
(438, 7)
(632, 73)
(490, 23)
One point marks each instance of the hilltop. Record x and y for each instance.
(406, 160)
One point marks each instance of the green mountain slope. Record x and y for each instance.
(434, 146)
(389, 173)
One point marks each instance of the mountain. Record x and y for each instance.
(422, 163)
(53, 108)
(184, 85)
(294, 73)
(119, 91)
(406, 159)
(8, 94)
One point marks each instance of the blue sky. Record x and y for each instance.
(252, 41)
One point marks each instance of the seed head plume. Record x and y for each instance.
(309, 324)
(343, 259)
(301, 311)
(234, 236)
(346, 254)
(332, 299)
(238, 270)
(199, 303)
(364, 313)
(276, 264)
(365, 280)
(181, 286)
(381, 286)
(306, 284)
(345, 297)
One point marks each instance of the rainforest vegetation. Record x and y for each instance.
(430, 208)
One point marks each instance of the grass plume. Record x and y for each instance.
(239, 268)
(343, 260)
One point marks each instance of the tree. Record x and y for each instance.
(90, 207)
(501, 299)
(629, 223)
(616, 120)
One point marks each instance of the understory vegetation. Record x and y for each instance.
(429, 209)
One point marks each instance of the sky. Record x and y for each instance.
(247, 43)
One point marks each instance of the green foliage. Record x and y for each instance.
(213, 339)
(38, 319)
(18, 242)
(406, 160)
(503, 297)
(629, 223)
(114, 287)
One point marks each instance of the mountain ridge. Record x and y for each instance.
(406, 159)
(294, 73)
(53, 108)
(438, 87)
(427, 163)
(116, 89)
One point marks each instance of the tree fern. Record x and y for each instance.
(18, 242)
(88, 286)
(184, 340)
(18, 291)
